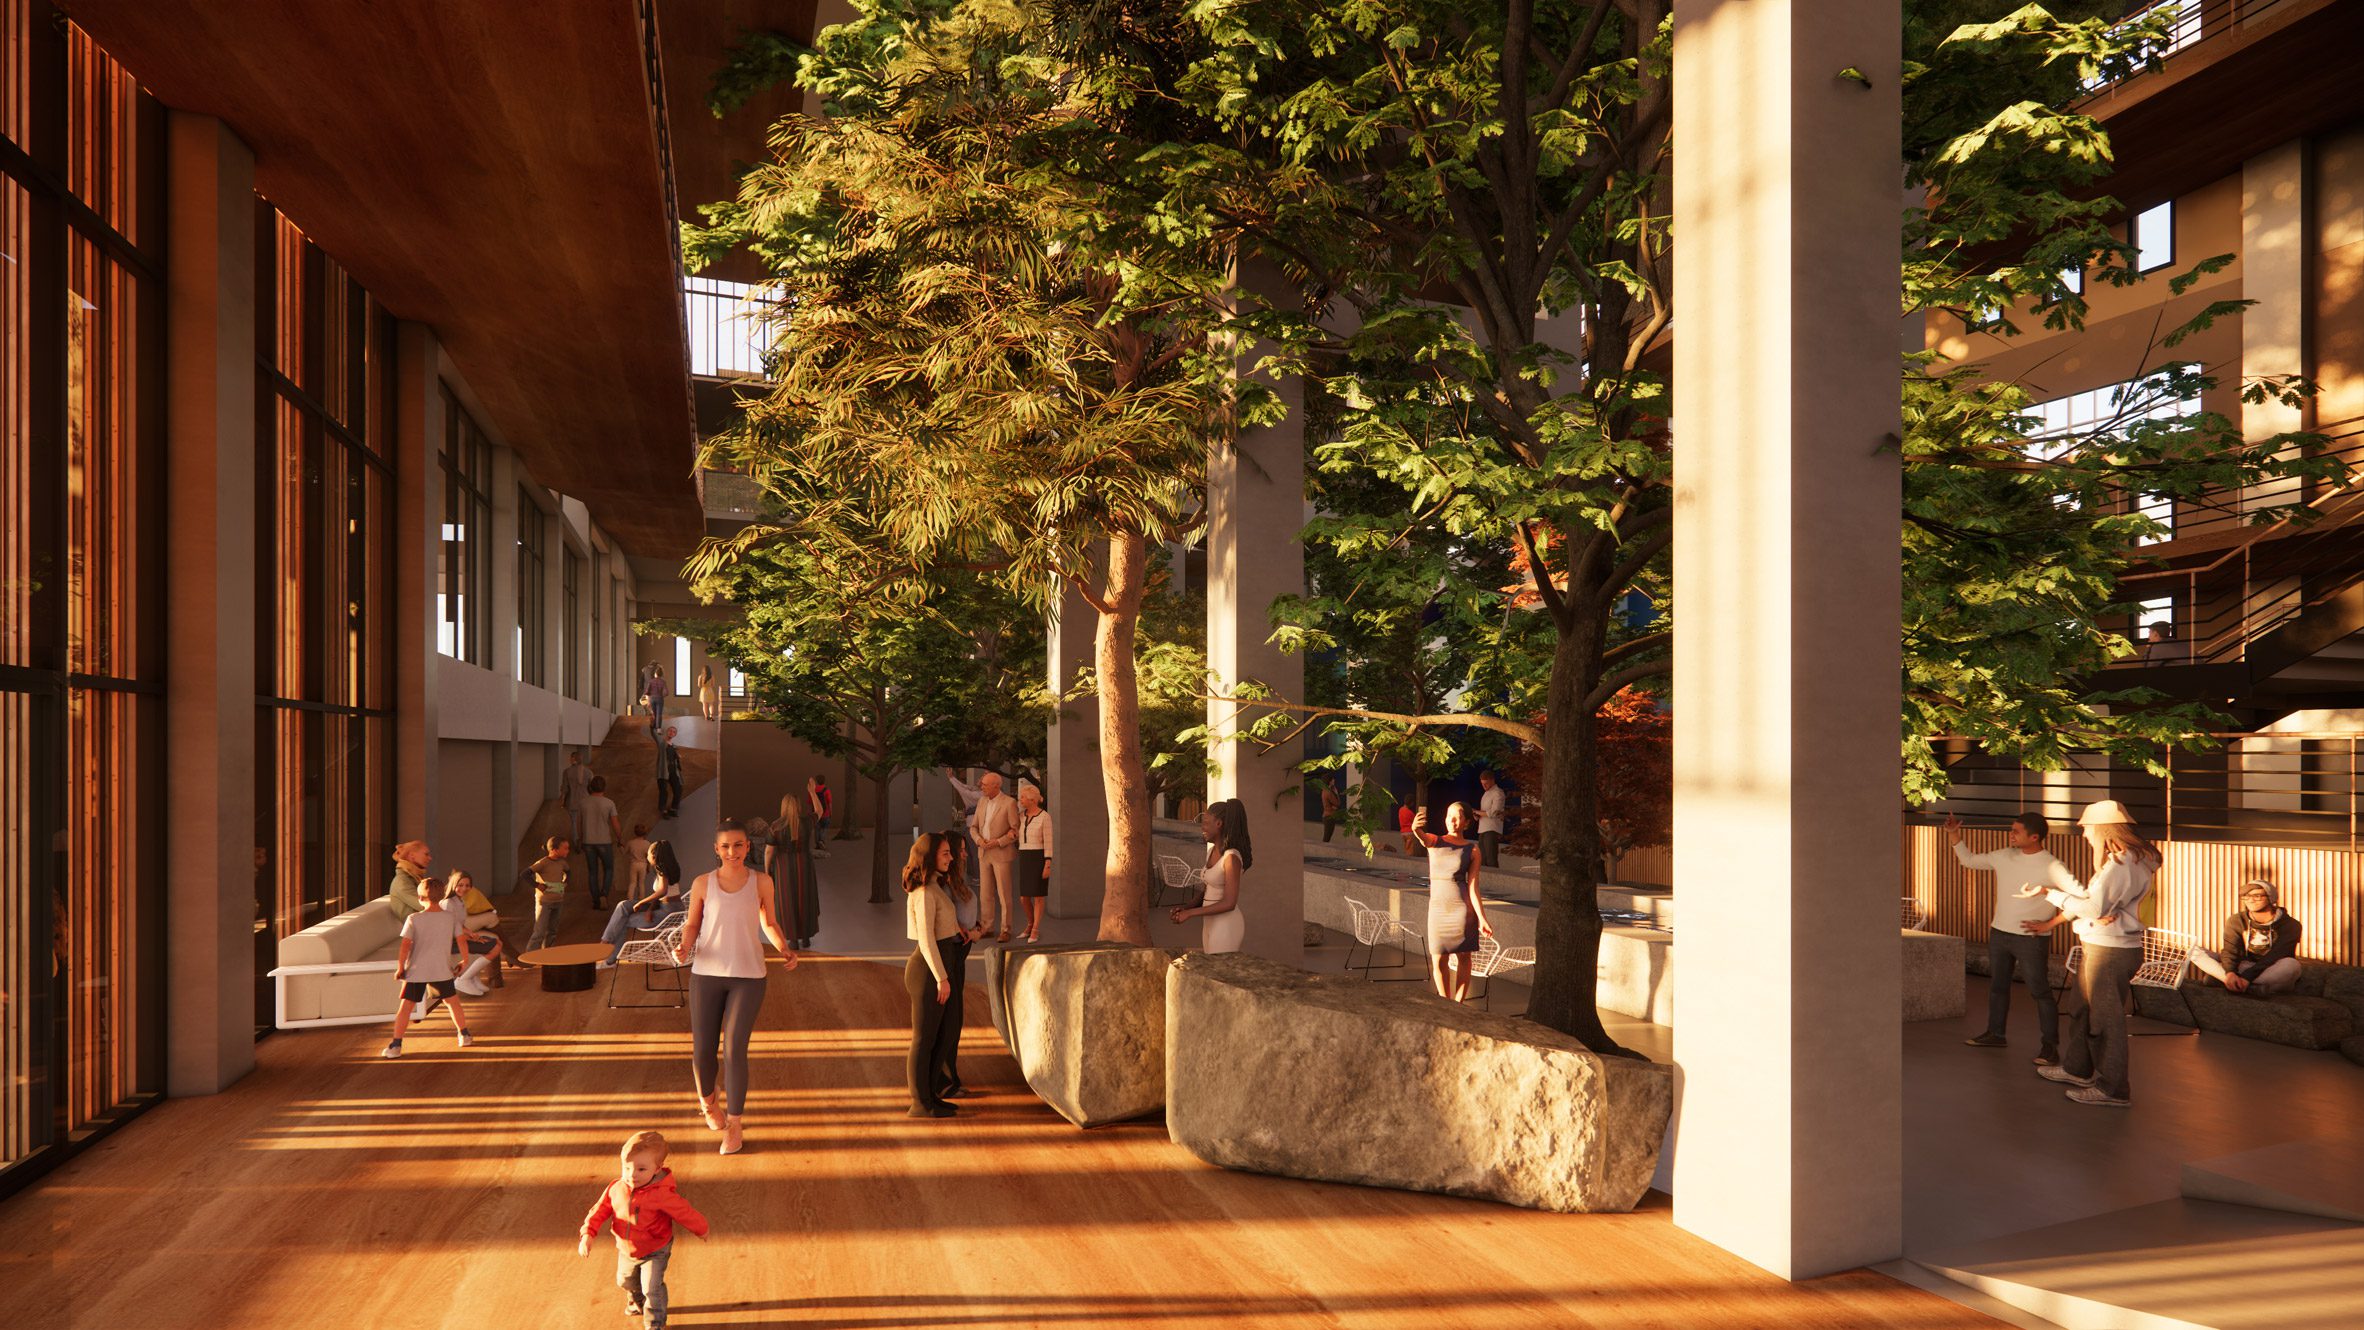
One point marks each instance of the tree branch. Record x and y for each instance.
(1515, 729)
(1613, 683)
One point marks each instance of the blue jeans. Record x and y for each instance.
(643, 1280)
(2025, 954)
(599, 867)
(619, 926)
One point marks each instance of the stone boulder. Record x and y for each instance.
(1276, 1070)
(1933, 988)
(1087, 1025)
(2285, 1018)
(2352, 1048)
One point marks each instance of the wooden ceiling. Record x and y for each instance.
(491, 170)
(695, 37)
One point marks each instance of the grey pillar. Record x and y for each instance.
(1078, 803)
(1789, 1141)
(209, 619)
(1256, 507)
(418, 549)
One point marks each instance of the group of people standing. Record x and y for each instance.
(2035, 893)
(655, 691)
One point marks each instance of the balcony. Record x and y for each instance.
(728, 333)
(2236, 77)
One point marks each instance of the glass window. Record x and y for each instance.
(532, 624)
(681, 667)
(598, 694)
(571, 623)
(2112, 410)
(81, 581)
(324, 568)
(464, 577)
(2073, 279)
(2153, 237)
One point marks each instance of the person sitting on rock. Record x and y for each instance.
(2260, 945)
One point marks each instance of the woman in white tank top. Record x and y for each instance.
(1222, 927)
(731, 912)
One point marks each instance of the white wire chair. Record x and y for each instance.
(2166, 963)
(1914, 916)
(1174, 873)
(1373, 930)
(651, 954)
(1492, 959)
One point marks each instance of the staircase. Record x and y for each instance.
(627, 758)
(2267, 615)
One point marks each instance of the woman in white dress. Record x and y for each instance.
(1456, 912)
(1222, 927)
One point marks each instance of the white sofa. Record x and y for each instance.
(341, 971)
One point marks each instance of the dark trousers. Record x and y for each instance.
(722, 1020)
(668, 794)
(956, 964)
(599, 864)
(1329, 824)
(933, 1039)
(1490, 849)
(2096, 1044)
(2024, 955)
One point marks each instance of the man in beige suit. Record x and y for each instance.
(994, 828)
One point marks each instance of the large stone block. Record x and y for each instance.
(1318, 1076)
(1087, 1024)
(2300, 1022)
(1933, 988)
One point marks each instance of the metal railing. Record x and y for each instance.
(2221, 608)
(2189, 23)
(729, 328)
(2303, 790)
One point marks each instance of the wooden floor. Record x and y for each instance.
(334, 1189)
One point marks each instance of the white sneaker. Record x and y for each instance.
(605, 965)
(2064, 1076)
(393, 1050)
(466, 1039)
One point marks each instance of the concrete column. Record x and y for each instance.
(418, 547)
(1788, 1146)
(1256, 507)
(2273, 273)
(209, 621)
(1077, 802)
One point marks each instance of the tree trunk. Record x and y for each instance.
(879, 853)
(853, 802)
(1124, 900)
(1568, 923)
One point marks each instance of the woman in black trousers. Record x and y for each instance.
(956, 957)
(931, 923)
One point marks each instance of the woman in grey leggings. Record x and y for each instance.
(730, 914)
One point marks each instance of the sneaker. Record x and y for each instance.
(635, 1309)
(2094, 1094)
(1987, 1041)
(393, 1050)
(605, 965)
(2048, 1057)
(466, 1039)
(2063, 1075)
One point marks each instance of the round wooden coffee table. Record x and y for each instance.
(568, 969)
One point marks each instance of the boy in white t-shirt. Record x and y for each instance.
(428, 940)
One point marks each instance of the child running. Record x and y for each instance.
(424, 963)
(644, 1207)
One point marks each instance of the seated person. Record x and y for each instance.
(664, 904)
(2260, 945)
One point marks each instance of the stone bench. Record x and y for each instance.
(2323, 1011)
(1086, 1023)
(1274, 1070)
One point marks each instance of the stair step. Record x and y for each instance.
(2172, 1265)
(2320, 1178)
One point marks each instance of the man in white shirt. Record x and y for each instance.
(602, 828)
(2010, 947)
(993, 828)
(1490, 808)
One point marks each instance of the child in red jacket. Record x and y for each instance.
(644, 1207)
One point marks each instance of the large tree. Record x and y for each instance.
(975, 352)
(1482, 194)
(893, 681)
